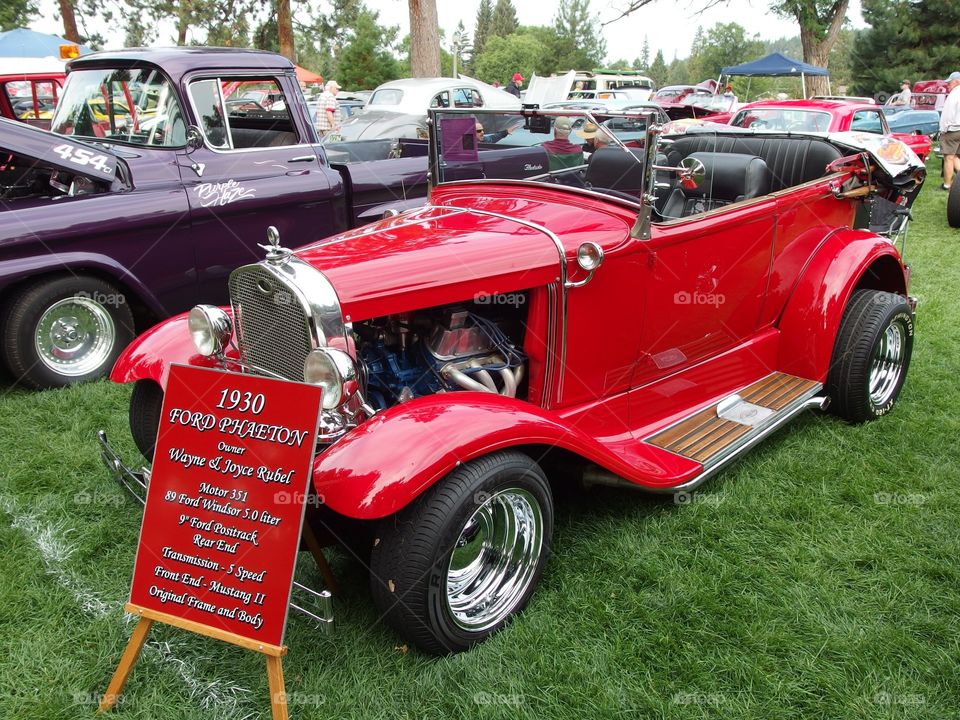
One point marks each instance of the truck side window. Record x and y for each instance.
(208, 104)
(244, 113)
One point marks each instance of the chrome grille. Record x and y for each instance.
(272, 328)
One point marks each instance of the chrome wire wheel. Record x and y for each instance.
(495, 559)
(75, 336)
(888, 363)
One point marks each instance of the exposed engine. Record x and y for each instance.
(22, 178)
(439, 350)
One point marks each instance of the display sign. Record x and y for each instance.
(225, 503)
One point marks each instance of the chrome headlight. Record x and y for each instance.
(335, 372)
(210, 328)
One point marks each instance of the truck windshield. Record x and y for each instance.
(132, 106)
(572, 148)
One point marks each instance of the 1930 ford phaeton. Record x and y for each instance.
(645, 316)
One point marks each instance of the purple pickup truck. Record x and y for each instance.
(163, 171)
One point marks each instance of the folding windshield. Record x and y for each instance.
(133, 106)
(573, 148)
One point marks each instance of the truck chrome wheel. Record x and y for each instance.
(494, 560)
(459, 562)
(75, 336)
(56, 333)
(888, 363)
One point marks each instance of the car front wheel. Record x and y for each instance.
(453, 567)
(66, 330)
(871, 355)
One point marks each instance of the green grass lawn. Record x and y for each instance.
(817, 578)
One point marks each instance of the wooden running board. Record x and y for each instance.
(710, 434)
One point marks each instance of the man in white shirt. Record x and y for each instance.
(950, 131)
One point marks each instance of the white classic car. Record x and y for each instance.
(398, 108)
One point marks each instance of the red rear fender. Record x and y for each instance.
(847, 260)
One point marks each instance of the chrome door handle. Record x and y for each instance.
(303, 158)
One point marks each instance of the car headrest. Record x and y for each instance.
(731, 176)
(616, 169)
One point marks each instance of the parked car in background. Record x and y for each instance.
(155, 183)
(632, 82)
(825, 116)
(512, 335)
(398, 109)
(907, 119)
(30, 88)
(926, 95)
(672, 93)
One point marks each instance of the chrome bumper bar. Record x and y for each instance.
(134, 482)
(313, 604)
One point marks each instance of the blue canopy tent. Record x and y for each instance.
(775, 65)
(28, 43)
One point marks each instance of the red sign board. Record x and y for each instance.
(225, 502)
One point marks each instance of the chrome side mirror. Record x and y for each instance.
(194, 138)
(692, 173)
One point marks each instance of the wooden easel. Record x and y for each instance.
(274, 653)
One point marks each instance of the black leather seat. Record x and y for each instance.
(791, 160)
(617, 172)
(729, 178)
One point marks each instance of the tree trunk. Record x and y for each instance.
(70, 31)
(183, 21)
(285, 30)
(424, 39)
(816, 49)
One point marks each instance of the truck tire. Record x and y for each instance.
(454, 566)
(871, 355)
(146, 402)
(953, 205)
(65, 330)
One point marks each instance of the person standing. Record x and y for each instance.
(950, 131)
(513, 87)
(328, 112)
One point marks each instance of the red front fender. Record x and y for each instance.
(150, 356)
(389, 460)
(846, 261)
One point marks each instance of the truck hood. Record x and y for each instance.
(431, 256)
(61, 152)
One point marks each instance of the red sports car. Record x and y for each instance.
(640, 320)
(823, 116)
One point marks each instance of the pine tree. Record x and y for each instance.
(504, 21)
(579, 43)
(16, 13)
(658, 69)
(906, 41)
(484, 23)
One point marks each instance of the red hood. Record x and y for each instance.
(445, 252)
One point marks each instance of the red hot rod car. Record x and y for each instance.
(645, 317)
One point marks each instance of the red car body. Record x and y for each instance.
(33, 107)
(675, 321)
(844, 116)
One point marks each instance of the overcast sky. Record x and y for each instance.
(670, 25)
